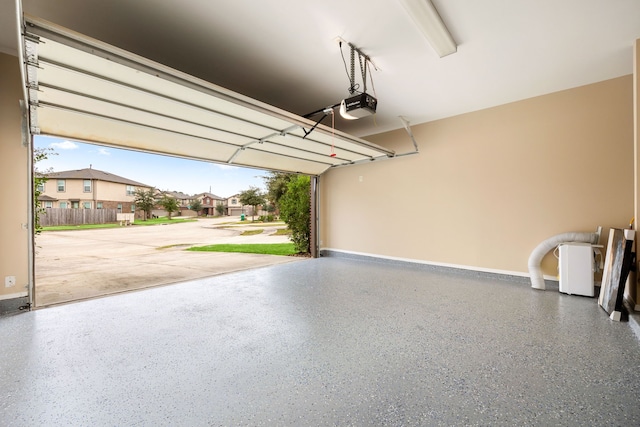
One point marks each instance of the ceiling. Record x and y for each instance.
(284, 53)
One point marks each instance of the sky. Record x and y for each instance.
(162, 172)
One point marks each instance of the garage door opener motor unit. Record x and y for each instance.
(358, 106)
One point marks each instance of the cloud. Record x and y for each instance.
(224, 167)
(65, 145)
(104, 152)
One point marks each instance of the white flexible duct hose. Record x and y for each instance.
(535, 259)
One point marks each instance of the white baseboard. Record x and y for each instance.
(439, 264)
(13, 296)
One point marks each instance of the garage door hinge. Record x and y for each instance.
(29, 37)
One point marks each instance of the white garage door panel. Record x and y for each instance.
(286, 151)
(262, 160)
(108, 91)
(123, 135)
(324, 147)
(281, 144)
(84, 89)
(329, 140)
(111, 70)
(54, 97)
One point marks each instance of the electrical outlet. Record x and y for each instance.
(9, 281)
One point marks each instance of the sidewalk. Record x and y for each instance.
(73, 265)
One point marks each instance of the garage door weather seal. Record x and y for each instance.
(83, 89)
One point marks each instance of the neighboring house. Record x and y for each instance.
(209, 202)
(235, 208)
(90, 189)
(46, 201)
(184, 200)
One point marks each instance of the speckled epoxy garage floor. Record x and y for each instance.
(330, 341)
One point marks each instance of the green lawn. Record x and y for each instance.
(79, 227)
(252, 232)
(256, 222)
(282, 232)
(256, 248)
(154, 221)
(162, 221)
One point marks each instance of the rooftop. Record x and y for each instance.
(90, 173)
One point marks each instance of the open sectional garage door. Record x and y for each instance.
(83, 89)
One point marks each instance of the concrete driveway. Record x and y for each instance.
(80, 264)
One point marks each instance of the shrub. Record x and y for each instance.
(296, 212)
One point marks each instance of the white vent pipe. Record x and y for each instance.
(535, 259)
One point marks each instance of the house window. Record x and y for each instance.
(131, 190)
(133, 208)
(61, 185)
(87, 185)
(86, 205)
(234, 201)
(40, 187)
(63, 205)
(75, 205)
(120, 207)
(99, 205)
(48, 204)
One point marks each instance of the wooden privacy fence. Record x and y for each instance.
(57, 216)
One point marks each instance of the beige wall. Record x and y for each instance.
(101, 191)
(14, 246)
(73, 190)
(113, 191)
(489, 186)
(237, 203)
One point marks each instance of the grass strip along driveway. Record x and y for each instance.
(153, 221)
(284, 249)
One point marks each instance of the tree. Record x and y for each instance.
(169, 204)
(39, 178)
(220, 209)
(270, 208)
(276, 183)
(295, 210)
(196, 206)
(145, 200)
(252, 197)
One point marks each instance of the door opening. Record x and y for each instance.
(87, 250)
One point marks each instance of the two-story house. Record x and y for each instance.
(210, 202)
(90, 189)
(184, 200)
(235, 208)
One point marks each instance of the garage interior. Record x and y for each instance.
(421, 311)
